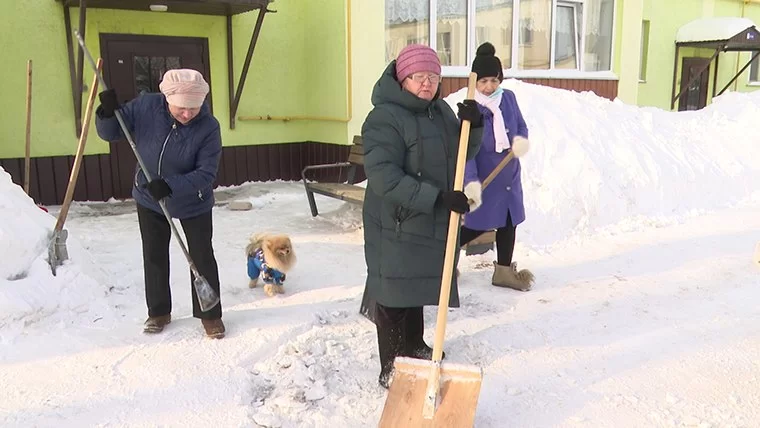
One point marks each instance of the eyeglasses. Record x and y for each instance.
(421, 78)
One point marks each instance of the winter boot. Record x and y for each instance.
(509, 277)
(214, 328)
(156, 324)
(390, 343)
(390, 340)
(414, 344)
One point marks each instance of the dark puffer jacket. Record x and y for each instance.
(186, 156)
(410, 152)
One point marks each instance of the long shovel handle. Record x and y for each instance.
(497, 170)
(211, 298)
(80, 152)
(433, 386)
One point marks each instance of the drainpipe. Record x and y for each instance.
(349, 88)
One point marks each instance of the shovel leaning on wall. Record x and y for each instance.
(57, 252)
(207, 297)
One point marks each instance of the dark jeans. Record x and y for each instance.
(156, 234)
(505, 240)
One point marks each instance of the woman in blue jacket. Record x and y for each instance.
(500, 205)
(180, 143)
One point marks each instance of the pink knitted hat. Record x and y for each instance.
(415, 58)
(184, 87)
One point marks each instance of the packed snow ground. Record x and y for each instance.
(641, 230)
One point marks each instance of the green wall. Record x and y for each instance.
(665, 19)
(298, 69)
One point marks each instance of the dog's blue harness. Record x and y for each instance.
(258, 266)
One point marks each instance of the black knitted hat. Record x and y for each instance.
(486, 63)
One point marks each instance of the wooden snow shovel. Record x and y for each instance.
(428, 393)
(57, 252)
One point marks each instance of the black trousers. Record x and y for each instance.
(399, 332)
(505, 240)
(156, 233)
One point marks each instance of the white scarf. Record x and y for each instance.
(499, 129)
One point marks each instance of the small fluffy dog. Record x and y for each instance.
(270, 256)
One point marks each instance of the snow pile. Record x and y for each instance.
(322, 376)
(595, 163)
(28, 289)
(25, 230)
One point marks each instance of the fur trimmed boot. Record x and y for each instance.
(510, 277)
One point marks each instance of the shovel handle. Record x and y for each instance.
(497, 170)
(428, 409)
(80, 150)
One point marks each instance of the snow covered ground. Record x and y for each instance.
(641, 230)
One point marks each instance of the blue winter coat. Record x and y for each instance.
(504, 195)
(186, 156)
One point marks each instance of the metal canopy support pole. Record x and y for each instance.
(230, 73)
(715, 76)
(740, 72)
(72, 68)
(246, 65)
(675, 78)
(80, 66)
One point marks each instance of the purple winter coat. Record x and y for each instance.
(505, 193)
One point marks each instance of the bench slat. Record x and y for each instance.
(346, 192)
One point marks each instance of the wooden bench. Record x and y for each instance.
(352, 193)
(347, 191)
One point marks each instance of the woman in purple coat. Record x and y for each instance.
(500, 206)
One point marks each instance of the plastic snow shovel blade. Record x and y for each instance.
(207, 297)
(460, 388)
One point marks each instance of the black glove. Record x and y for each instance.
(158, 188)
(454, 201)
(108, 103)
(468, 110)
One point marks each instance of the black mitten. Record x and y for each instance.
(108, 103)
(468, 110)
(455, 201)
(159, 189)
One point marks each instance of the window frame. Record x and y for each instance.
(511, 69)
(754, 66)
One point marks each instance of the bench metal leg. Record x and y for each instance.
(312, 203)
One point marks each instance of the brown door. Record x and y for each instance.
(134, 64)
(695, 96)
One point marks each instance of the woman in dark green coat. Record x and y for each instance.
(411, 139)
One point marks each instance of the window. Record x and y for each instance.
(406, 23)
(527, 34)
(535, 35)
(567, 36)
(451, 31)
(753, 68)
(597, 35)
(644, 54)
(494, 18)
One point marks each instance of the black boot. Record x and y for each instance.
(414, 344)
(390, 339)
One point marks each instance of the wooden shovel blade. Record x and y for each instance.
(460, 389)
